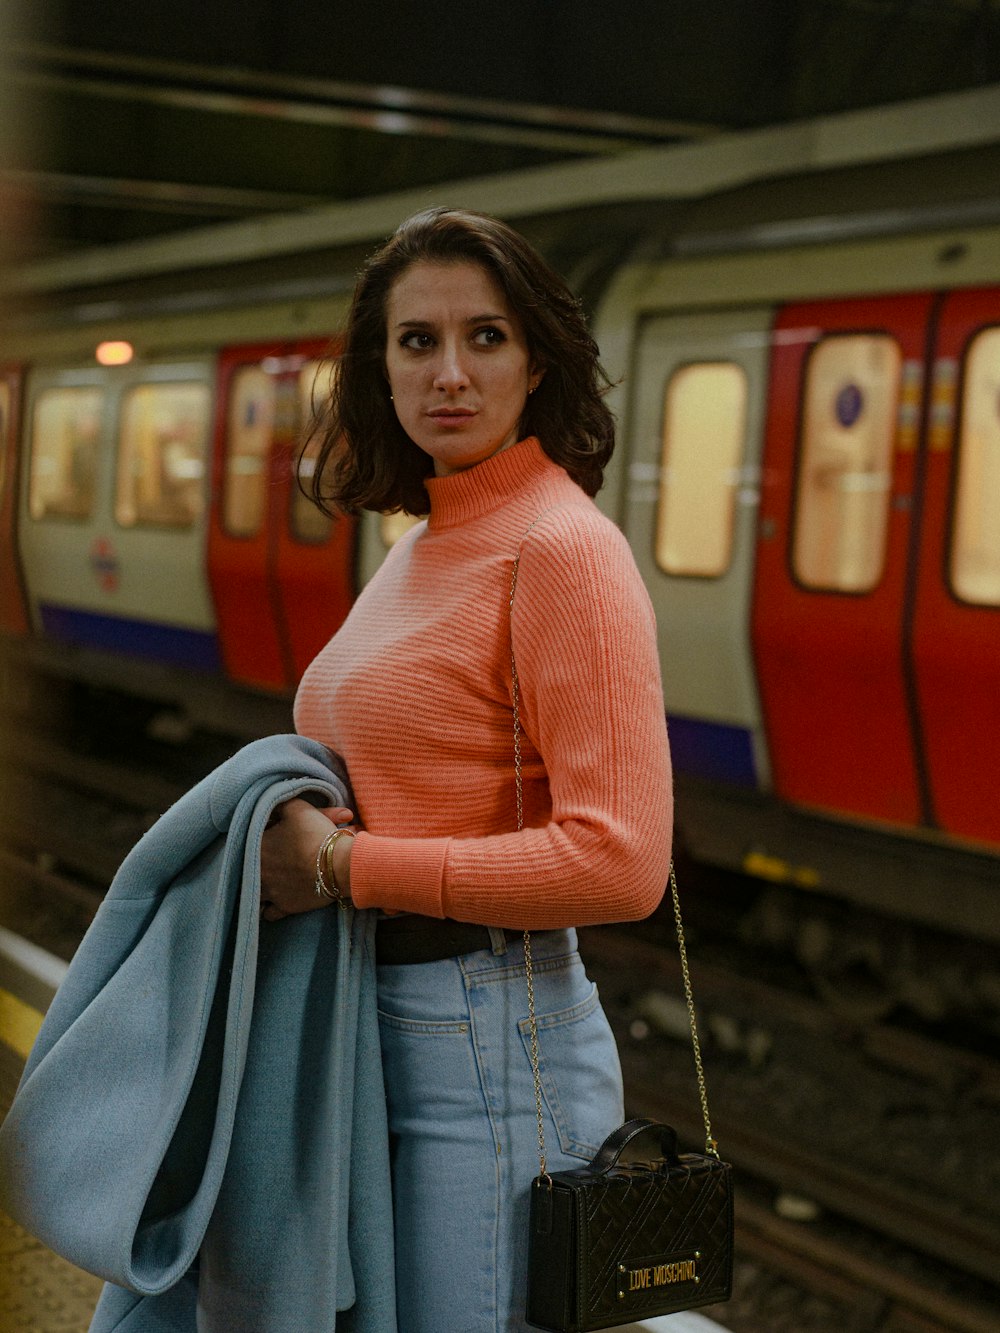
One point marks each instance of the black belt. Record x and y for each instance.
(427, 939)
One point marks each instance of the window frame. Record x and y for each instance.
(234, 375)
(100, 388)
(951, 523)
(827, 336)
(298, 496)
(679, 368)
(158, 525)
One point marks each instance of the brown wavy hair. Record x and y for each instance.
(366, 460)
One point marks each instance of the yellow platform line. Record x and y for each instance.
(19, 1023)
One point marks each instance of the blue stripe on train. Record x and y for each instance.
(171, 644)
(712, 750)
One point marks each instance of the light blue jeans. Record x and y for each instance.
(464, 1143)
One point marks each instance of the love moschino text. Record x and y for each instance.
(656, 1275)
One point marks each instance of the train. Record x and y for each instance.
(807, 385)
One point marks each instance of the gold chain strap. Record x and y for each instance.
(710, 1144)
(515, 694)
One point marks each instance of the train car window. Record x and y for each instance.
(975, 547)
(249, 431)
(392, 527)
(65, 437)
(845, 462)
(308, 523)
(704, 431)
(4, 427)
(161, 455)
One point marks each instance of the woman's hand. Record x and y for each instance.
(288, 857)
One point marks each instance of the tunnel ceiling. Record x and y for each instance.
(129, 120)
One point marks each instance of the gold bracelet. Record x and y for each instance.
(322, 889)
(343, 899)
(324, 857)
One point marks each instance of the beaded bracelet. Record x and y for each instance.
(324, 857)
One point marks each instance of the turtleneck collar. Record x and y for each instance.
(481, 489)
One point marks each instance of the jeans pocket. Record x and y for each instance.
(413, 1027)
(580, 1074)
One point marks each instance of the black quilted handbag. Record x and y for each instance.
(610, 1243)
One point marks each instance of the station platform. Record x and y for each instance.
(40, 1292)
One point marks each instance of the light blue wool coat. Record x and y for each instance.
(202, 1119)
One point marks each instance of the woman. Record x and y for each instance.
(469, 391)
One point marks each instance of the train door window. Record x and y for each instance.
(845, 462)
(392, 527)
(65, 437)
(975, 547)
(4, 428)
(249, 432)
(703, 438)
(161, 455)
(309, 523)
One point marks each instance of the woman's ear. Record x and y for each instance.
(535, 378)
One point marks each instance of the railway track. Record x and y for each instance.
(855, 1291)
(81, 804)
(68, 817)
(897, 1255)
(889, 1252)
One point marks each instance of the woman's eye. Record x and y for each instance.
(490, 336)
(419, 341)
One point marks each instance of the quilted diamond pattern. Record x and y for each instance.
(614, 1244)
(639, 1217)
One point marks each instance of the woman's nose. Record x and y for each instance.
(450, 373)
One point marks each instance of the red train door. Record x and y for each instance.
(829, 611)
(956, 633)
(282, 575)
(13, 608)
(314, 556)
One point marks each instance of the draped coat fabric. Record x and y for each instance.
(202, 1119)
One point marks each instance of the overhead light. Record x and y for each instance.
(114, 353)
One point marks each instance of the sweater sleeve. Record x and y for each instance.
(584, 640)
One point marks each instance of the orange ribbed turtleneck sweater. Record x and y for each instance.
(414, 691)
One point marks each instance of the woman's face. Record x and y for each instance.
(457, 361)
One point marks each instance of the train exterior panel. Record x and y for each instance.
(806, 471)
(692, 456)
(956, 621)
(111, 521)
(282, 574)
(864, 761)
(830, 603)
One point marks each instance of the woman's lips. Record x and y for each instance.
(451, 416)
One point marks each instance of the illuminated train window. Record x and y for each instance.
(249, 430)
(845, 462)
(392, 527)
(975, 547)
(65, 437)
(704, 429)
(309, 524)
(4, 428)
(161, 456)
